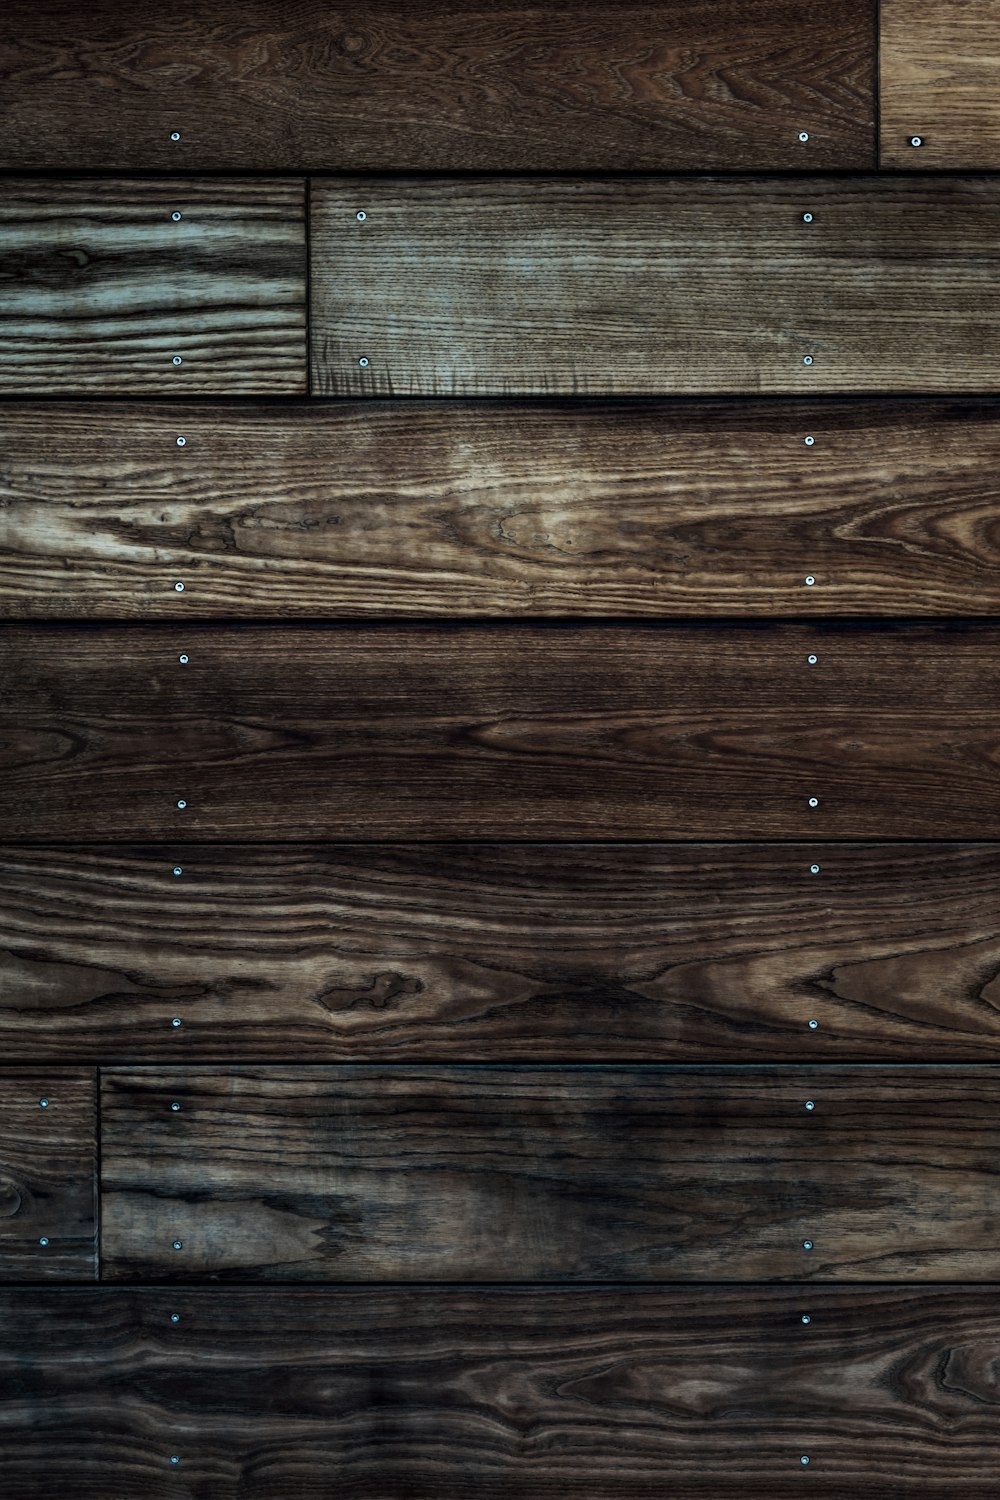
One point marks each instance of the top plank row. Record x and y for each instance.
(510, 85)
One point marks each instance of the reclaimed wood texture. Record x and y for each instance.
(481, 731)
(500, 952)
(495, 1174)
(576, 1394)
(940, 82)
(440, 85)
(408, 509)
(48, 1175)
(102, 289)
(655, 286)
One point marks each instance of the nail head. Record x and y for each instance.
(181, 803)
(916, 140)
(182, 442)
(183, 659)
(175, 1317)
(176, 216)
(807, 218)
(803, 136)
(814, 869)
(810, 580)
(813, 802)
(176, 360)
(43, 1104)
(179, 588)
(175, 1458)
(805, 1318)
(807, 359)
(175, 1106)
(807, 1244)
(361, 216)
(175, 135)
(363, 363)
(178, 1244)
(176, 1023)
(813, 1025)
(812, 659)
(44, 1240)
(810, 1105)
(804, 1459)
(809, 441)
(178, 870)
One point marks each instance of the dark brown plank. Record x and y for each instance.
(578, 1394)
(48, 1175)
(440, 85)
(412, 508)
(500, 952)
(430, 1173)
(940, 83)
(103, 290)
(634, 286)
(512, 732)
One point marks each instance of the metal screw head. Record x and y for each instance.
(175, 1458)
(175, 135)
(176, 360)
(175, 1317)
(807, 359)
(807, 218)
(916, 140)
(44, 1240)
(813, 802)
(361, 216)
(43, 1104)
(803, 136)
(179, 588)
(175, 1106)
(809, 441)
(807, 1244)
(804, 1460)
(178, 870)
(810, 580)
(181, 803)
(363, 363)
(178, 1244)
(813, 1025)
(810, 1105)
(182, 442)
(814, 869)
(805, 1318)
(812, 659)
(183, 659)
(176, 1023)
(176, 217)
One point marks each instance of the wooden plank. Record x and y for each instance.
(500, 952)
(408, 509)
(483, 731)
(48, 1175)
(495, 1174)
(578, 1394)
(103, 289)
(385, 84)
(632, 286)
(940, 83)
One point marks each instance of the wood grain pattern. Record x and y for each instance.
(430, 1173)
(441, 85)
(409, 509)
(636, 286)
(500, 952)
(940, 77)
(102, 289)
(507, 732)
(48, 1175)
(576, 1394)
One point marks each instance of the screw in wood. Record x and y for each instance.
(44, 1240)
(809, 441)
(178, 1244)
(175, 1106)
(807, 218)
(175, 1458)
(807, 1244)
(810, 580)
(812, 660)
(183, 659)
(916, 140)
(803, 136)
(43, 1104)
(175, 135)
(363, 363)
(813, 869)
(361, 216)
(804, 1460)
(175, 1317)
(813, 1025)
(806, 1318)
(182, 442)
(181, 803)
(807, 359)
(176, 1023)
(176, 360)
(813, 802)
(176, 217)
(810, 1105)
(178, 869)
(178, 588)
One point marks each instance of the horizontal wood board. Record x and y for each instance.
(431, 1173)
(479, 731)
(655, 286)
(526, 953)
(103, 289)
(649, 508)
(939, 63)
(439, 85)
(889, 1392)
(48, 1175)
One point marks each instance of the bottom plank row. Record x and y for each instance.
(586, 1392)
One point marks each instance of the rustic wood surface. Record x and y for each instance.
(431, 1395)
(431, 1173)
(102, 289)
(633, 286)
(439, 85)
(500, 952)
(482, 731)
(396, 509)
(940, 83)
(48, 1166)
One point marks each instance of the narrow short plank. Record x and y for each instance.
(494, 1174)
(501, 732)
(576, 1394)
(48, 1175)
(441, 85)
(407, 509)
(940, 84)
(653, 286)
(588, 953)
(103, 290)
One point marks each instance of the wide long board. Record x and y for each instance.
(574, 1394)
(48, 1174)
(509, 732)
(107, 293)
(631, 286)
(490, 1174)
(444, 85)
(585, 953)
(496, 508)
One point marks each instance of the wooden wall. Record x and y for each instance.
(499, 750)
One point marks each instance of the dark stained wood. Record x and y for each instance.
(630, 286)
(440, 85)
(940, 82)
(500, 952)
(48, 1176)
(102, 289)
(432, 1395)
(430, 1173)
(646, 508)
(511, 732)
